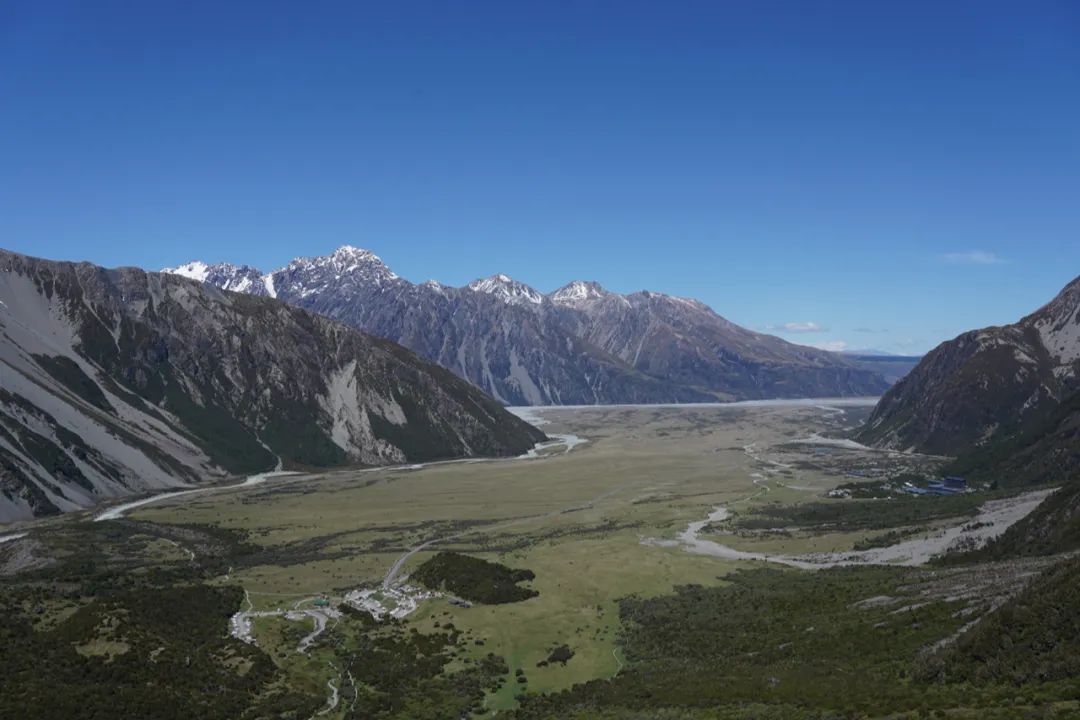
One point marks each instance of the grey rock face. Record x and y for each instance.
(578, 345)
(120, 381)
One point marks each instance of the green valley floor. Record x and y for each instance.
(684, 561)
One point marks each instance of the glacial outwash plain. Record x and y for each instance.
(652, 535)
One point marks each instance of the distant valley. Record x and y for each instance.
(891, 367)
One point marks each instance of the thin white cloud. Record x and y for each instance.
(803, 327)
(973, 257)
(831, 345)
(797, 327)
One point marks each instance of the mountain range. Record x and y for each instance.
(581, 344)
(117, 382)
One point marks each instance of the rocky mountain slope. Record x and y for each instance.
(986, 387)
(1006, 401)
(1047, 453)
(115, 382)
(578, 345)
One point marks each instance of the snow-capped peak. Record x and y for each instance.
(675, 299)
(196, 270)
(578, 291)
(346, 260)
(238, 278)
(355, 254)
(351, 258)
(507, 289)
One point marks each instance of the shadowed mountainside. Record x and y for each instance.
(116, 382)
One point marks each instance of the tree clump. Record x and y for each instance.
(475, 579)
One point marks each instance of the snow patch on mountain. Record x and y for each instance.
(349, 259)
(236, 278)
(196, 270)
(578, 291)
(507, 289)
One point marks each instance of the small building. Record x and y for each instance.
(937, 491)
(321, 602)
(937, 487)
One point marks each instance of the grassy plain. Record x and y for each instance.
(577, 520)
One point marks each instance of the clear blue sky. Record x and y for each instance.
(906, 168)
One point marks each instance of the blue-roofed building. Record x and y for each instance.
(938, 487)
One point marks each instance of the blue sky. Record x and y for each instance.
(872, 174)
